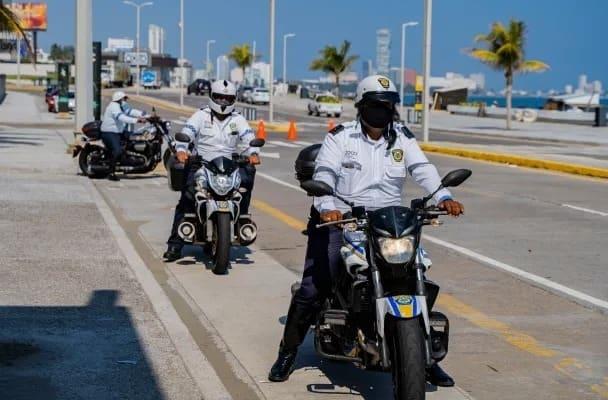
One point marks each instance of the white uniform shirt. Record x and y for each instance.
(365, 172)
(214, 138)
(116, 117)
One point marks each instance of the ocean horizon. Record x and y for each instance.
(500, 101)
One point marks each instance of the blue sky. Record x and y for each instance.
(562, 33)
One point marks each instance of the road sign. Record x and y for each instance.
(148, 77)
(132, 56)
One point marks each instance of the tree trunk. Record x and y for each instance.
(338, 85)
(509, 93)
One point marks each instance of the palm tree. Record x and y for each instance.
(242, 56)
(9, 22)
(505, 52)
(334, 60)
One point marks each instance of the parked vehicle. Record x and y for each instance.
(379, 314)
(217, 224)
(142, 149)
(150, 79)
(199, 87)
(325, 103)
(259, 96)
(115, 74)
(243, 93)
(53, 103)
(49, 97)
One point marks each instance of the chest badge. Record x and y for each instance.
(233, 128)
(397, 155)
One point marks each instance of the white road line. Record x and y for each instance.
(587, 210)
(303, 143)
(269, 145)
(269, 155)
(553, 286)
(283, 144)
(280, 182)
(177, 122)
(539, 280)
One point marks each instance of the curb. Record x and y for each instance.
(505, 158)
(282, 127)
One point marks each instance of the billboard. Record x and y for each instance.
(32, 16)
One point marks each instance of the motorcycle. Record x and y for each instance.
(379, 314)
(141, 149)
(217, 223)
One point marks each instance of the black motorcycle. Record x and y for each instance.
(141, 149)
(218, 223)
(379, 314)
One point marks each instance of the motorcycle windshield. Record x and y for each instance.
(393, 222)
(222, 165)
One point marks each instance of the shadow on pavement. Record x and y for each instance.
(69, 352)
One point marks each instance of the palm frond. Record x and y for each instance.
(533, 66)
(9, 22)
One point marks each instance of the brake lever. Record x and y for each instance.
(342, 221)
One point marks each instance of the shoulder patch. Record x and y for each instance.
(336, 129)
(408, 134)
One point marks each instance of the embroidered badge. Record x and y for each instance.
(397, 155)
(385, 83)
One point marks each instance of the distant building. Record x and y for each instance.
(597, 87)
(479, 79)
(345, 78)
(383, 51)
(409, 76)
(182, 73)
(568, 89)
(367, 68)
(582, 84)
(120, 44)
(452, 80)
(222, 70)
(156, 39)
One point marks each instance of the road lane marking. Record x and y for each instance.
(283, 144)
(270, 155)
(511, 335)
(544, 282)
(303, 143)
(539, 280)
(587, 210)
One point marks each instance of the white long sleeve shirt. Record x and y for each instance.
(365, 172)
(214, 138)
(117, 117)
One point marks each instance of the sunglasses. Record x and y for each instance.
(223, 99)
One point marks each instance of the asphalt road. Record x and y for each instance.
(510, 338)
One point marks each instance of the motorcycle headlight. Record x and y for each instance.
(396, 251)
(221, 184)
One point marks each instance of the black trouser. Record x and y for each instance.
(113, 143)
(185, 205)
(321, 267)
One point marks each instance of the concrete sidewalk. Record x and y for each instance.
(28, 109)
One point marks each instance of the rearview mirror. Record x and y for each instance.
(456, 177)
(182, 137)
(258, 142)
(317, 188)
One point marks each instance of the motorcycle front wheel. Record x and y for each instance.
(407, 356)
(83, 161)
(221, 243)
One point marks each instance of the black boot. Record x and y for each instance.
(297, 325)
(438, 376)
(173, 253)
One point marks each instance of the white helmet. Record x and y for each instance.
(222, 97)
(376, 87)
(119, 95)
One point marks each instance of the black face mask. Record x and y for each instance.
(377, 115)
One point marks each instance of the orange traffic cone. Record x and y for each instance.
(292, 133)
(261, 133)
(331, 125)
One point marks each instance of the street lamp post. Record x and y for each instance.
(426, 68)
(271, 77)
(251, 67)
(181, 52)
(84, 65)
(209, 43)
(138, 7)
(401, 89)
(287, 35)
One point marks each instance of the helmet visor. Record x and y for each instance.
(223, 99)
(385, 97)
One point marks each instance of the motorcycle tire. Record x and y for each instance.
(166, 156)
(221, 243)
(83, 162)
(407, 357)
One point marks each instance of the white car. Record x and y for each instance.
(258, 96)
(325, 103)
(71, 102)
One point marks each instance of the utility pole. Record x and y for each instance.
(271, 77)
(285, 37)
(252, 62)
(84, 63)
(208, 65)
(181, 52)
(426, 68)
(402, 88)
(138, 7)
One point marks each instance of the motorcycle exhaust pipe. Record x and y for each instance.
(186, 231)
(247, 233)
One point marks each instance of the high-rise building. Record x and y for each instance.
(156, 39)
(596, 87)
(568, 89)
(582, 84)
(383, 51)
(222, 70)
(479, 79)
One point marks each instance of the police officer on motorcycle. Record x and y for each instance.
(366, 162)
(117, 116)
(213, 131)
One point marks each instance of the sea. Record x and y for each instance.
(499, 101)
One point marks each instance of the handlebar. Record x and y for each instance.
(342, 221)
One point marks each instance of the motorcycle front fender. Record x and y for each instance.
(402, 306)
(77, 149)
